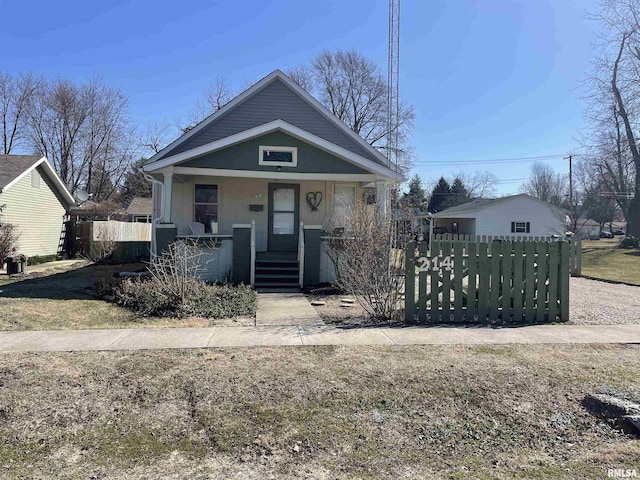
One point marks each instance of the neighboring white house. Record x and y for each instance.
(516, 215)
(267, 177)
(35, 201)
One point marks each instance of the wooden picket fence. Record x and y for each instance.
(500, 282)
(575, 244)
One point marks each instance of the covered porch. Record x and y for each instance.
(454, 225)
(264, 230)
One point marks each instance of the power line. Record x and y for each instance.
(490, 160)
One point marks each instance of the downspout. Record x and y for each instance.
(155, 221)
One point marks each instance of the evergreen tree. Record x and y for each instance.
(134, 185)
(416, 196)
(440, 196)
(459, 193)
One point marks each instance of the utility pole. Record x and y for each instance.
(574, 209)
(570, 158)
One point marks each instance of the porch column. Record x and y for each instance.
(241, 270)
(312, 252)
(166, 197)
(381, 194)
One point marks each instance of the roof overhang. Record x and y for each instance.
(51, 173)
(277, 125)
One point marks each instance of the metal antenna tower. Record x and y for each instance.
(393, 64)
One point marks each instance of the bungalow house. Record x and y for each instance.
(512, 216)
(264, 179)
(35, 201)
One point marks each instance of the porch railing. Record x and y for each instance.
(301, 254)
(253, 252)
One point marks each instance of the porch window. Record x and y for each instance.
(344, 199)
(520, 227)
(206, 207)
(278, 156)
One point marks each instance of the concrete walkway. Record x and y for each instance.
(286, 309)
(299, 335)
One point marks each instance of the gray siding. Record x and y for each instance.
(37, 212)
(244, 156)
(273, 102)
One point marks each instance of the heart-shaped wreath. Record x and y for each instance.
(313, 200)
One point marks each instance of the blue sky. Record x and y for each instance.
(490, 79)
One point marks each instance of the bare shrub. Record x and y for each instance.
(174, 287)
(101, 250)
(177, 271)
(368, 259)
(8, 241)
(8, 238)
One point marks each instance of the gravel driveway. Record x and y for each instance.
(600, 303)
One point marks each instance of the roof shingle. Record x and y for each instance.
(11, 166)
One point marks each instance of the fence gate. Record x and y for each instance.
(499, 282)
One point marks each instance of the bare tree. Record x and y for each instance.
(216, 95)
(354, 89)
(303, 76)
(84, 131)
(366, 262)
(15, 97)
(478, 184)
(611, 142)
(545, 184)
(156, 136)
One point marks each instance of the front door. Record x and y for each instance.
(284, 217)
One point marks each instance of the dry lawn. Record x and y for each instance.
(602, 259)
(326, 412)
(65, 300)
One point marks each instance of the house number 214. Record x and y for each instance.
(436, 263)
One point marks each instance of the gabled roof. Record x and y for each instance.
(205, 135)
(482, 203)
(276, 125)
(11, 166)
(140, 206)
(15, 167)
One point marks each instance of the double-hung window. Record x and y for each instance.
(344, 199)
(206, 207)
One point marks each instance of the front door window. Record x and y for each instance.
(284, 211)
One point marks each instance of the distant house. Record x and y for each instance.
(140, 210)
(516, 215)
(35, 201)
(264, 177)
(588, 229)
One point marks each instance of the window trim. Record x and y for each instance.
(525, 225)
(266, 148)
(217, 204)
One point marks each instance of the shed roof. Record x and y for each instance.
(140, 206)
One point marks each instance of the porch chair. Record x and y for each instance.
(197, 228)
